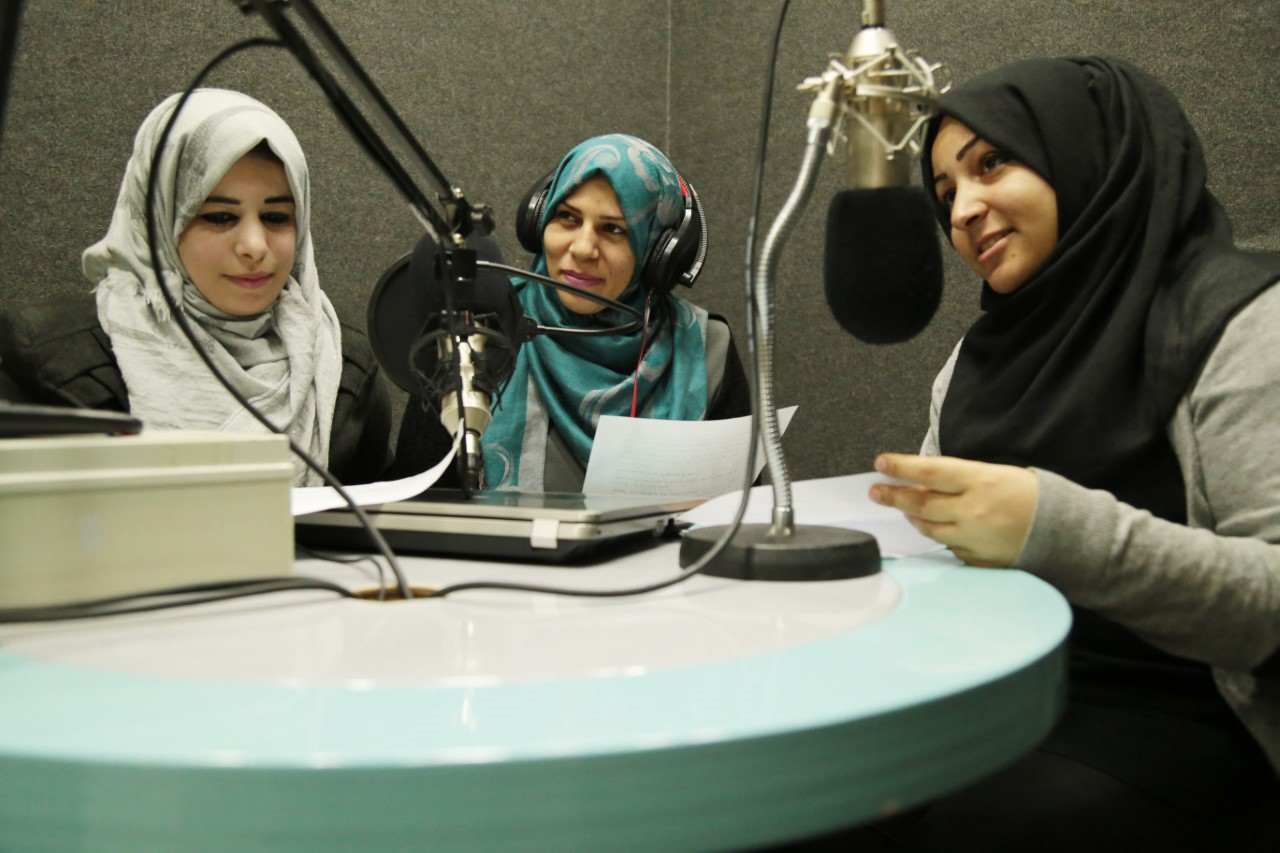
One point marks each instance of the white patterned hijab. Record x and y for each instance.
(287, 361)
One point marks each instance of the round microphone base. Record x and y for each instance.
(811, 553)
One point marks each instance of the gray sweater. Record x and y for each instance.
(1208, 591)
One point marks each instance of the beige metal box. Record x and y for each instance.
(87, 516)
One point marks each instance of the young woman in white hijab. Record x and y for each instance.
(232, 207)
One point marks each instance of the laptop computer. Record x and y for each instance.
(540, 527)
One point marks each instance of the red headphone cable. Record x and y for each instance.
(644, 342)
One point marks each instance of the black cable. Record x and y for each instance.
(180, 317)
(753, 374)
(346, 560)
(221, 591)
(625, 329)
(753, 310)
(27, 614)
(349, 559)
(181, 596)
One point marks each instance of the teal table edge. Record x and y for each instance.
(961, 680)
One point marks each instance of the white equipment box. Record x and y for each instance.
(91, 516)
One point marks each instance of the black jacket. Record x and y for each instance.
(55, 353)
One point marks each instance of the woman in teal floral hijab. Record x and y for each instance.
(597, 235)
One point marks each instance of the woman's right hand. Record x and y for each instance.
(982, 512)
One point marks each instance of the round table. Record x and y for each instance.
(715, 714)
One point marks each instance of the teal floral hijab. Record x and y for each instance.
(569, 381)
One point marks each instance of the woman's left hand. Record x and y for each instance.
(982, 512)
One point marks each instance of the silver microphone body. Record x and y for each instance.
(467, 406)
(877, 114)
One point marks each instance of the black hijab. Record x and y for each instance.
(1079, 371)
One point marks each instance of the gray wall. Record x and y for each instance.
(497, 91)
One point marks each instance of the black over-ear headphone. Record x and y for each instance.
(676, 258)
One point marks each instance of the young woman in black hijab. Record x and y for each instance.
(1110, 423)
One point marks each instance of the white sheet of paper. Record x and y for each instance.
(309, 499)
(831, 502)
(672, 459)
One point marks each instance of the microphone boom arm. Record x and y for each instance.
(457, 216)
(448, 226)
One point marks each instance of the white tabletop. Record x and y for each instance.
(712, 714)
(709, 715)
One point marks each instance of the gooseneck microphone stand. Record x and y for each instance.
(876, 86)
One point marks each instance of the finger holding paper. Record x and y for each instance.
(982, 512)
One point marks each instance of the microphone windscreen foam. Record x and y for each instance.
(882, 263)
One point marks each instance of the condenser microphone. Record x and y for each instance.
(882, 264)
(467, 348)
(407, 301)
(449, 333)
(457, 297)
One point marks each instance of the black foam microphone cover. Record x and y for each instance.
(409, 295)
(882, 263)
